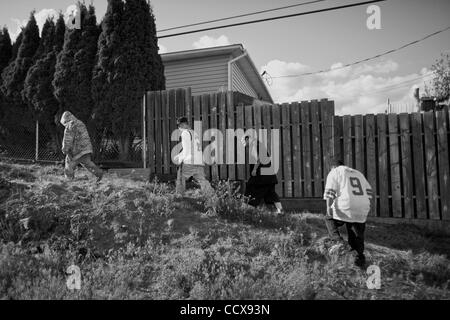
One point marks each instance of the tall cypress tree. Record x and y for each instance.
(5, 48)
(73, 74)
(130, 68)
(14, 74)
(16, 45)
(37, 88)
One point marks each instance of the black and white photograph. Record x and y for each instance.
(227, 158)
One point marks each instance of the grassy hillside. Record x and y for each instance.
(134, 240)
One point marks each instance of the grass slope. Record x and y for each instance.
(136, 240)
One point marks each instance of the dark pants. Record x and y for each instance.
(355, 233)
(261, 192)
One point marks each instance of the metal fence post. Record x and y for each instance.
(37, 141)
(144, 134)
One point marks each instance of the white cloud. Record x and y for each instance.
(40, 16)
(207, 42)
(355, 90)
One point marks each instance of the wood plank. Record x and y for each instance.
(359, 144)
(180, 110)
(338, 137)
(267, 124)
(316, 149)
(214, 124)
(419, 166)
(150, 110)
(297, 149)
(394, 150)
(205, 127)
(240, 125)
(277, 147)
(306, 146)
(383, 177)
(407, 172)
(444, 167)
(248, 125)
(188, 104)
(172, 127)
(431, 165)
(327, 114)
(371, 160)
(165, 131)
(232, 143)
(223, 170)
(158, 132)
(287, 154)
(347, 141)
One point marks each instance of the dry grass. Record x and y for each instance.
(136, 240)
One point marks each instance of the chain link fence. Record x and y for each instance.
(42, 143)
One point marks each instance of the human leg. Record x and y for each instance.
(69, 167)
(87, 162)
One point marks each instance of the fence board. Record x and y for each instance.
(165, 131)
(287, 157)
(205, 127)
(150, 110)
(337, 140)
(231, 125)
(172, 126)
(222, 127)
(443, 152)
(347, 141)
(240, 125)
(188, 104)
(359, 144)
(213, 124)
(371, 160)
(383, 178)
(419, 166)
(431, 165)
(316, 149)
(395, 166)
(278, 145)
(296, 152)
(248, 125)
(158, 132)
(327, 113)
(306, 141)
(406, 161)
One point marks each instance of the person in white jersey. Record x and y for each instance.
(190, 159)
(348, 196)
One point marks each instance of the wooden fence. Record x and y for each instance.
(405, 157)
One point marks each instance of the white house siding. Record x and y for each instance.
(240, 82)
(203, 75)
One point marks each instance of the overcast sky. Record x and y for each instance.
(303, 44)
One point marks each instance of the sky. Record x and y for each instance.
(303, 44)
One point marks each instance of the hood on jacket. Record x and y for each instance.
(67, 117)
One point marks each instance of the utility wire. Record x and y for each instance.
(272, 18)
(366, 59)
(241, 15)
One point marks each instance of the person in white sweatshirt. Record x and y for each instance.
(348, 195)
(190, 159)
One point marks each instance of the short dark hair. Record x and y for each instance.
(181, 120)
(337, 161)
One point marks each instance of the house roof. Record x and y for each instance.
(246, 64)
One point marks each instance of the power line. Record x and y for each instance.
(272, 18)
(399, 85)
(366, 59)
(241, 15)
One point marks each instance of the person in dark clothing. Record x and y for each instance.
(260, 187)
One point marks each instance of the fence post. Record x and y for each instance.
(37, 141)
(144, 134)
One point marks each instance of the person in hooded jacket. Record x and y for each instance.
(77, 147)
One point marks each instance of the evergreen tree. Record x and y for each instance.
(16, 45)
(5, 48)
(128, 66)
(14, 74)
(73, 74)
(37, 88)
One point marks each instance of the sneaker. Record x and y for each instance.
(360, 261)
(99, 178)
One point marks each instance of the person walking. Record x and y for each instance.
(190, 159)
(77, 147)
